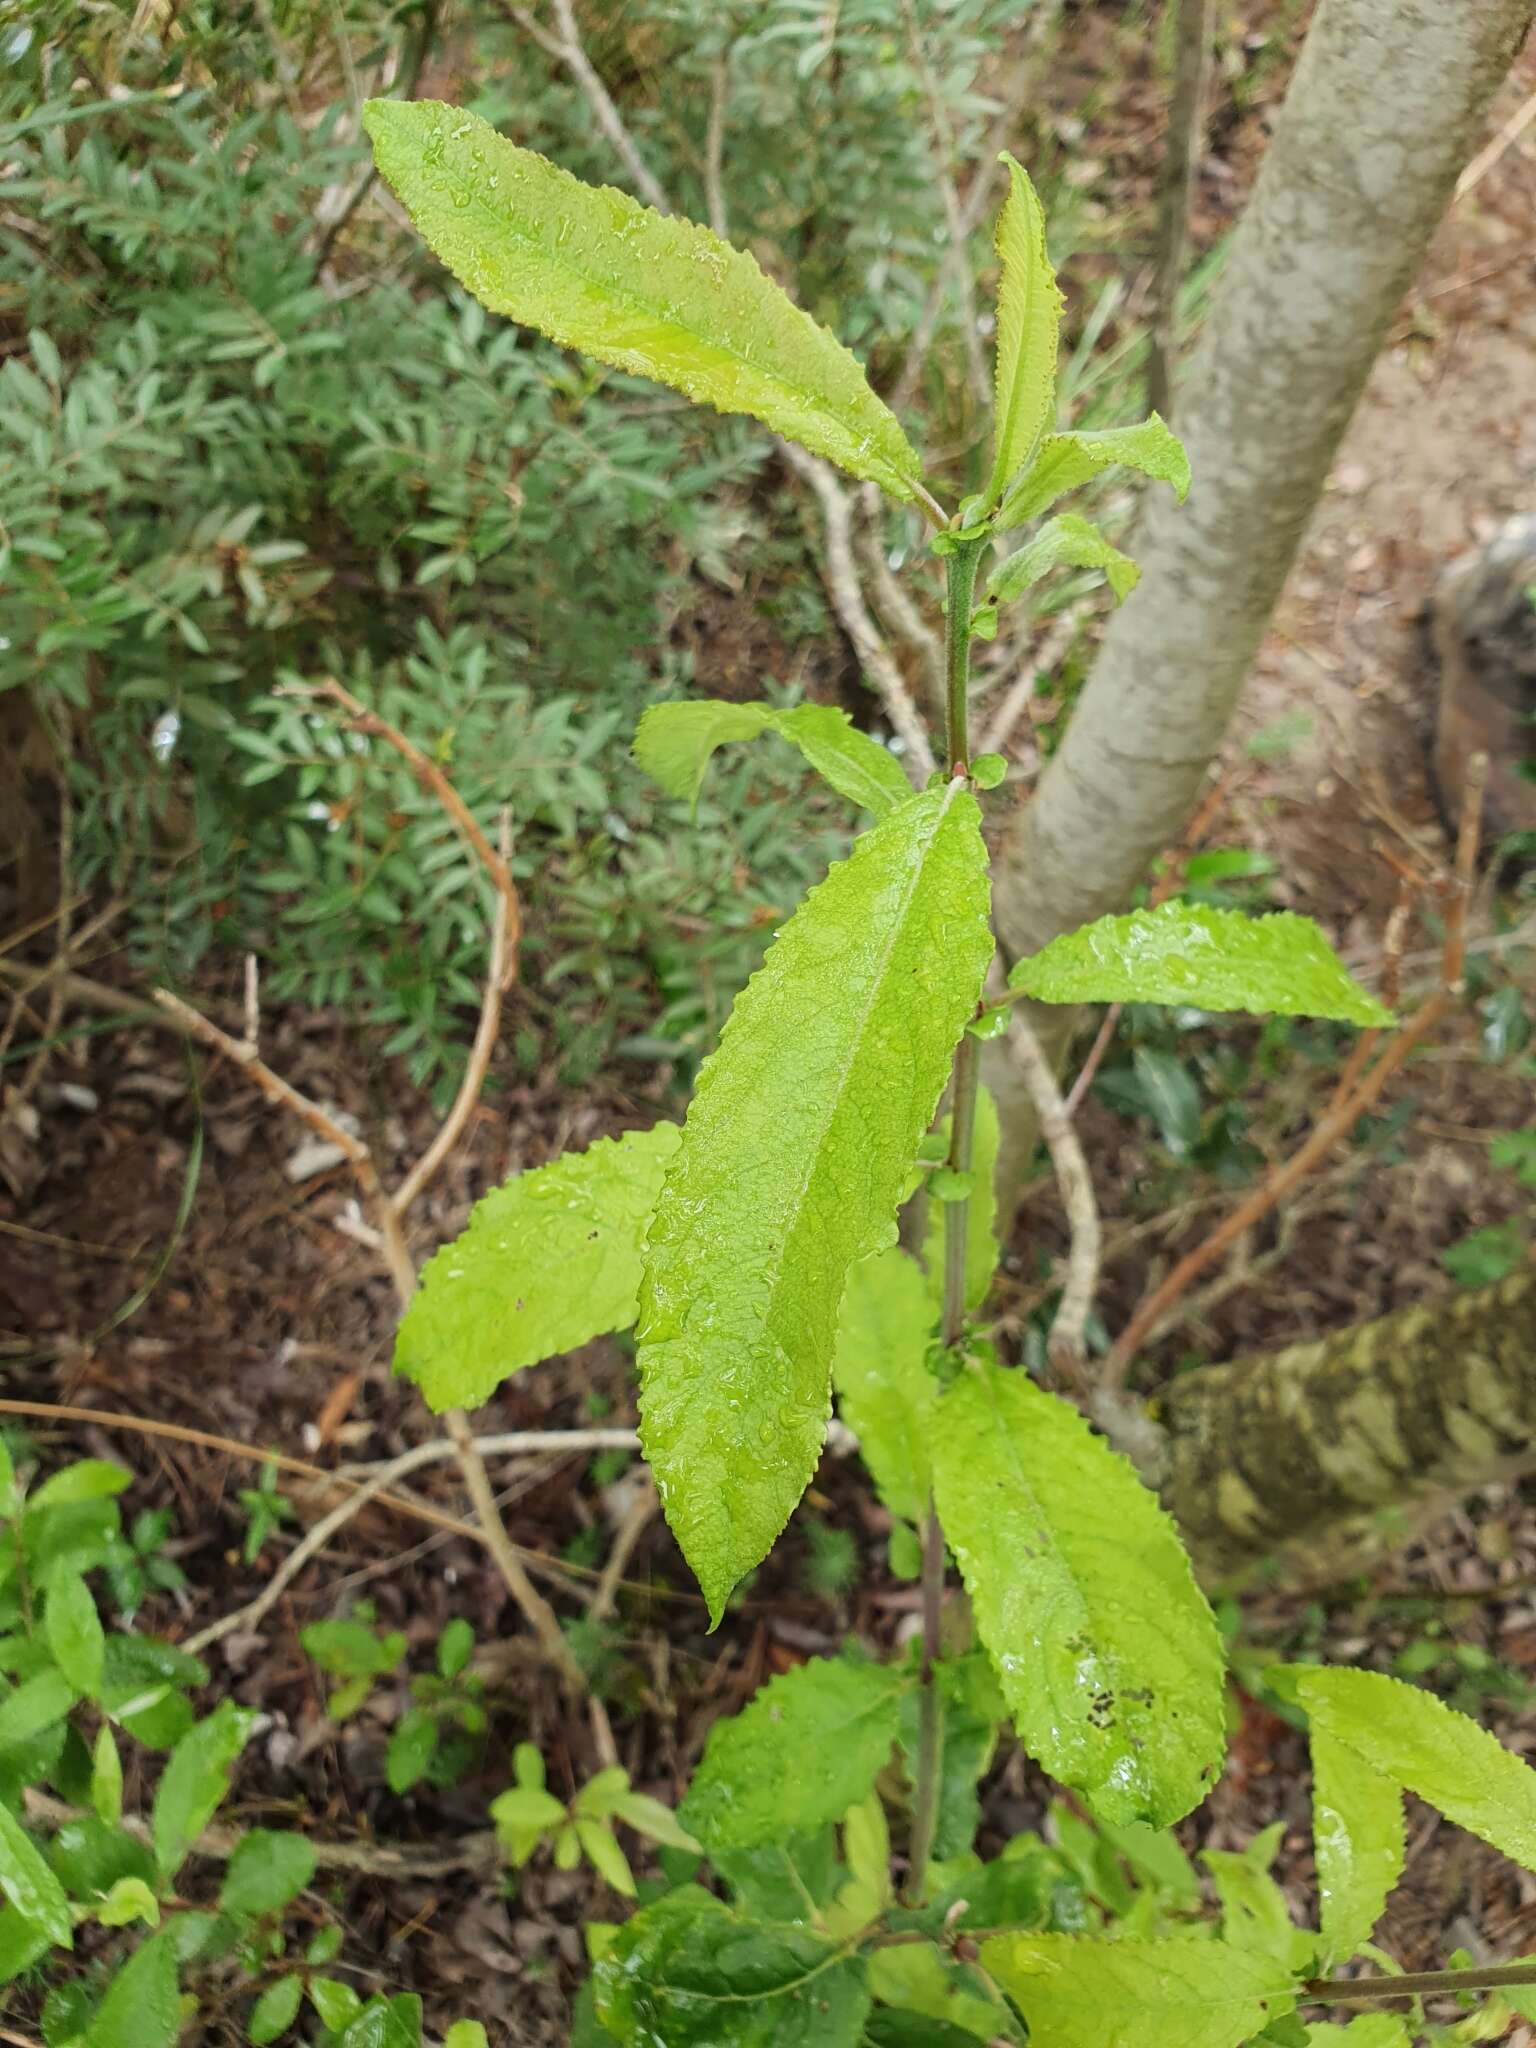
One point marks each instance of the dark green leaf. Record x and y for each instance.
(385, 2023)
(74, 1632)
(690, 1973)
(276, 2010)
(30, 1885)
(196, 1779)
(142, 2006)
(797, 1149)
(546, 1262)
(650, 294)
(266, 1871)
(1170, 1092)
(803, 1750)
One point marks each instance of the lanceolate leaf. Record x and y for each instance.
(1208, 959)
(650, 294)
(798, 1145)
(547, 1261)
(885, 1391)
(30, 1885)
(74, 1631)
(196, 1779)
(981, 1217)
(1028, 317)
(1079, 1993)
(141, 2008)
(674, 743)
(807, 1747)
(1068, 542)
(693, 1974)
(1358, 1838)
(1105, 1648)
(1066, 462)
(1405, 1734)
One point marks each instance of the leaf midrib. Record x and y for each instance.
(663, 317)
(855, 1043)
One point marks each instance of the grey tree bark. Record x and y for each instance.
(1320, 1456)
(1386, 106)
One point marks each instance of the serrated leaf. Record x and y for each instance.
(266, 1871)
(1402, 1733)
(690, 1972)
(142, 2007)
(74, 1632)
(1254, 1914)
(1106, 1651)
(547, 1261)
(981, 1247)
(196, 1779)
(1063, 542)
(650, 294)
(674, 743)
(1028, 318)
(921, 1985)
(805, 1748)
(1189, 954)
(796, 1152)
(275, 2011)
(1080, 1993)
(1065, 462)
(885, 1391)
(1359, 1840)
(30, 1885)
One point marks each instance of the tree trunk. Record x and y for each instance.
(1386, 105)
(1323, 1453)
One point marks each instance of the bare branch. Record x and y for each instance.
(1053, 643)
(896, 607)
(942, 152)
(714, 145)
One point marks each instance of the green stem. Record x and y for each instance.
(961, 567)
(1341, 1990)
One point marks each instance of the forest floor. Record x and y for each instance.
(265, 1324)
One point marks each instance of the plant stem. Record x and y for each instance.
(1339, 1990)
(961, 568)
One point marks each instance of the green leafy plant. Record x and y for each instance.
(529, 1817)
(754, 1249)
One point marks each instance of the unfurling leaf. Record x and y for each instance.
(1080, 1993)
(1064, 542)
(1028, 317)
(1402, 1733)
(884, 1389)
(1106, 1651)
(267, 1870)
(547, 1261)
(803, 1750)
(981, 1250)
(1187, 953)
(1065, 462)
(674, 742)
(1359, 1841)
(690, 1972)
(648, 293)
(795, 1155)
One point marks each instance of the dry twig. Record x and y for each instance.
(1065, 1346)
